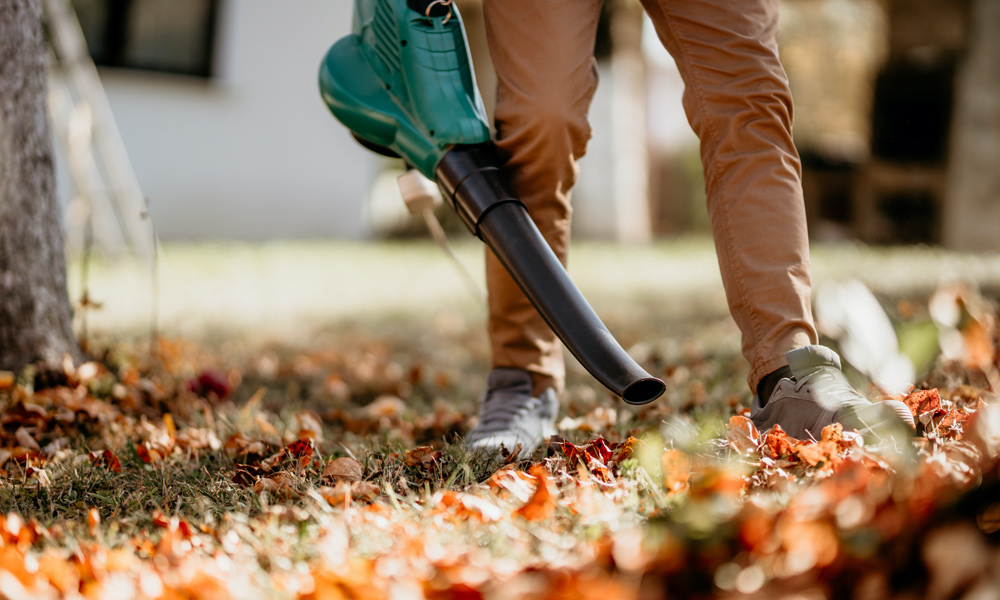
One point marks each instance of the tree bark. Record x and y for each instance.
(35, 316)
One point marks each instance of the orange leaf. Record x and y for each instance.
(676, 471)
(168, 422)
(542, 503)
(816, 453)
(626, 449)
(924, 401)
(779, 443)
(468, 506)
(93, 521)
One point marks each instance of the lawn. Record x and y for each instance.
(286, 422)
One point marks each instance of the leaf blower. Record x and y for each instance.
(403, 84)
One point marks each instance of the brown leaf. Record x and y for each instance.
(279, 484)
(247, 474)
(344, 492)
(7, 380)
(344, 468)
(424, 457)
(542, 503)
(983, 430)
(742, 435)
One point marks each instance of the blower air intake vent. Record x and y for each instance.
(384, 26)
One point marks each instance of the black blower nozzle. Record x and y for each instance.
(481, 193)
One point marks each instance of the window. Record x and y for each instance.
(167, 36)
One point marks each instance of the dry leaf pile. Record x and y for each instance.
(157, 478)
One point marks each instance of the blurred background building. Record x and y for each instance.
(897, 121)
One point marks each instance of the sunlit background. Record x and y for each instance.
(206, 114)
(218, 108)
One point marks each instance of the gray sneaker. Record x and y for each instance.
(820, 395)
(509, 415)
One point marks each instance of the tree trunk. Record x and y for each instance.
(35, 316)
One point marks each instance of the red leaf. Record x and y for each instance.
(597, 449)
(107, 459)
(143, 453)
(301, 448)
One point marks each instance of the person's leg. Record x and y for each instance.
(737, 100)
(543, 53)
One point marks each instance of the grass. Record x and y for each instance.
(382, 347)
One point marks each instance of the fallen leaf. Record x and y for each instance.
(280, 484)
(778, 443)
(389, 407)
(626, 449)
(344, 492)
(344, 468)
(107, 459)
(424, 457)
(922, 402)
(518, 483)
(542, 503)
(302, 450)
(676, 471)
(40, 475)
(597, 449)
(25, 440)
(168, 423)
(742, 435)
(93, 521)
(468, 506)
(309, 425)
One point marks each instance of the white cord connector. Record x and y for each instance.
(419, 193)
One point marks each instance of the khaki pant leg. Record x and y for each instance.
(737, 100)
(543, 53)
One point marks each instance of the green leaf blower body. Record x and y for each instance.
(403, 84)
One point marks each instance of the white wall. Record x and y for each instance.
(253, 153)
